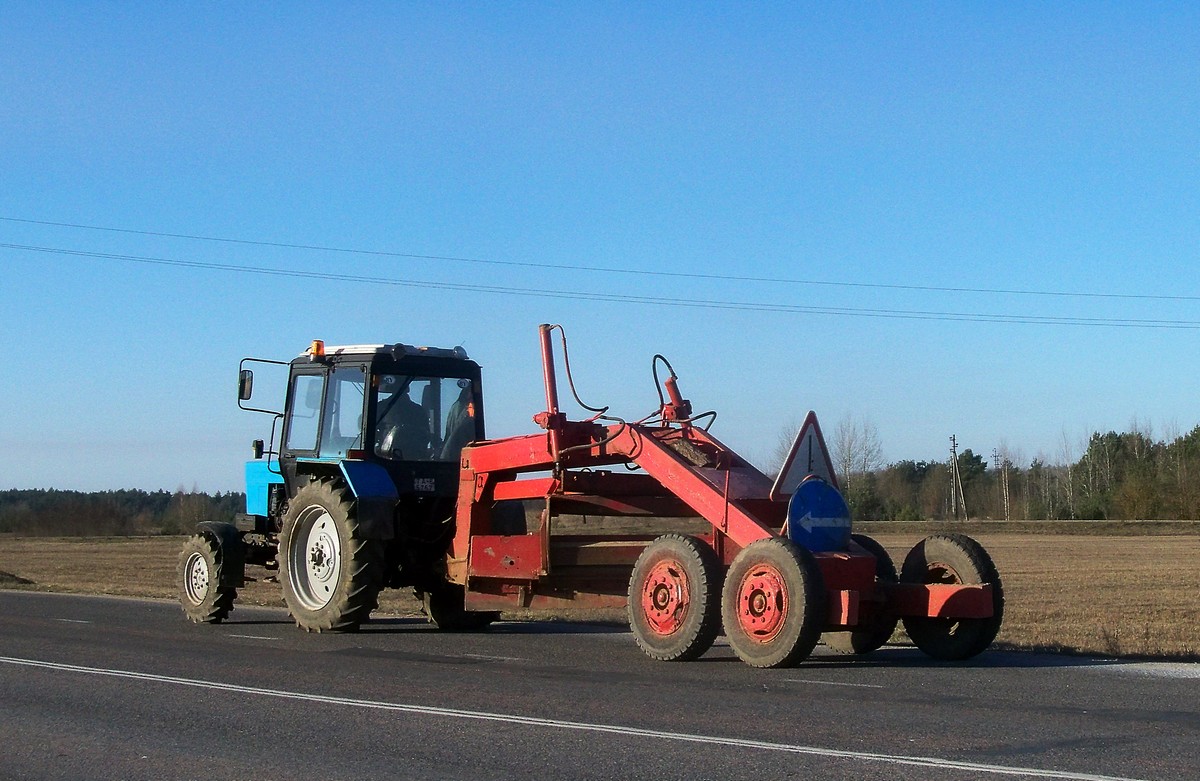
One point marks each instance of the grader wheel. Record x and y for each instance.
(878, 626)
(674, 598)
(773, 604)
(953, 559)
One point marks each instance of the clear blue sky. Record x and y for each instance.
(875, 146)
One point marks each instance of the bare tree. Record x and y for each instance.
(783, 446)
(1143, 432)
(1067, 452)
(1003, 462)
(856, 448)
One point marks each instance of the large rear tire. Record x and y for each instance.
(953, 559)
(444, 607)
(675, 598)
(204, 599)
(879, 625)
(331, 576)
(773, 603)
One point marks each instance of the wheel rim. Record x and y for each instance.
(665, 597)
(196, 578)
(762, 603)
(315, 558)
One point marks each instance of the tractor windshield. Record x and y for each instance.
(422, 418)
(341, 430)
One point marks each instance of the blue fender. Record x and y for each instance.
(376, 497)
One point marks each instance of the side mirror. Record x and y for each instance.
(245, 384)
(256, 448)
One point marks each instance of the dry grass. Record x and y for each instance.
(1108, 595)
(130, 566)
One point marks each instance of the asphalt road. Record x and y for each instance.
(104, 688)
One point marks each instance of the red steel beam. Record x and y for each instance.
(682, 479)
(941, 600)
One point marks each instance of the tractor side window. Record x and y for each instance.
(304, 411)
(342, 430)
(423, 418)
(459, 426)
(402, 426)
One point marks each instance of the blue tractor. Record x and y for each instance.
(358, 495)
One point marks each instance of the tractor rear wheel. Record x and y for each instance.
(204, 599)
(878, 626)
(444, 607)
(331, 576)
(675, 598)
(952, 559)
(773, 603)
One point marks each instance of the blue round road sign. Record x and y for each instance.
(818, 517)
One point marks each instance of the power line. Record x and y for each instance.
(902, 314)
(611, 269)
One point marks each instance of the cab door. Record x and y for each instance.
(302, 421)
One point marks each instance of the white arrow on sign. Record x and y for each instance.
(808, 456)
(808, 523)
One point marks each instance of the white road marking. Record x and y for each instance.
(611, 729)
(1155, 669)
(254, 637)
(495, 658)
(835, 683)
(72, 621)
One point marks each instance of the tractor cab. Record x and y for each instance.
(387, 420)
(359, 493)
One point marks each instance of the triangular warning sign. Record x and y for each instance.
(808, 456)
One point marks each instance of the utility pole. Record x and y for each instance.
(957, 497)
(953, 482)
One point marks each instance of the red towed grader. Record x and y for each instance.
(773, 595)
(772, 563)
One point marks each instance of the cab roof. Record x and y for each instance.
(397, 350)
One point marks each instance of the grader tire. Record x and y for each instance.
(773, 603)
(331, 576)
(878, 629)
(675, 598)
(953, 559)
(203, 598)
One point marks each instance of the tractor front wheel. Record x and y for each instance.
(952, 559)
(204, 599)
(674, 598)
(331, 576)
(773, 604)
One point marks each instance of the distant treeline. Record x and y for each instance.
(53, 513)
(1119, 476)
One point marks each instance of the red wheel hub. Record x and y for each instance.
(665, 597)
(762, 603)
